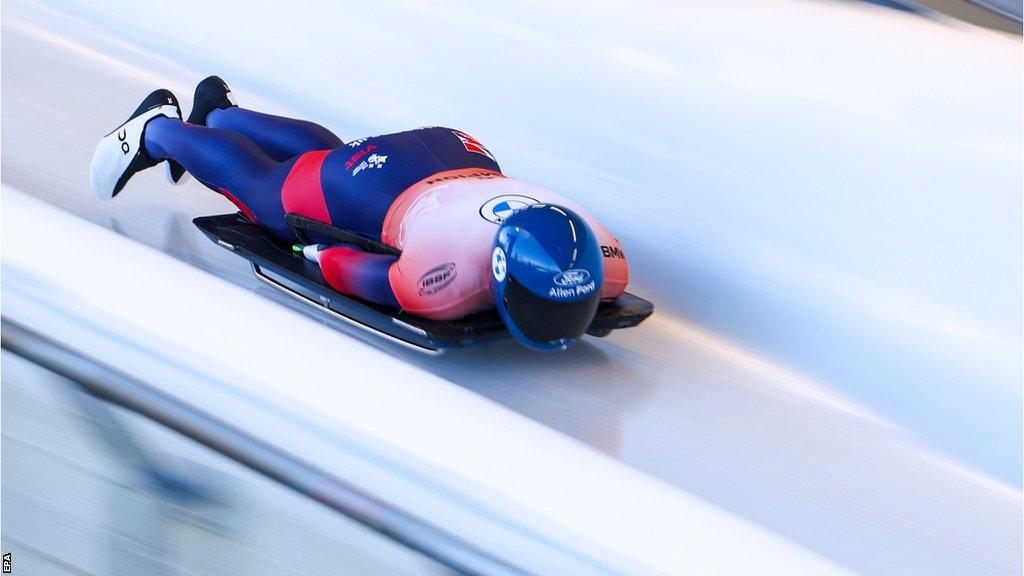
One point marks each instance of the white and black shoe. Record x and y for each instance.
(121, 154)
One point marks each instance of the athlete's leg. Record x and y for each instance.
(226, 162)
(279, 137)
(214, 105)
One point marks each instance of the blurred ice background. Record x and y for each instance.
(828, 185)
(831, 188)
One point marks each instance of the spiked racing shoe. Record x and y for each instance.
(211, 94)
(121, 154)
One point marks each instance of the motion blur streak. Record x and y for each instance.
(821, 198)
(788, 382)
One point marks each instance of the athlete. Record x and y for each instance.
(463, 237)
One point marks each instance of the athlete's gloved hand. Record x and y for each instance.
(312, 252)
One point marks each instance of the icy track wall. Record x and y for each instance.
(411, 443)
(837, 186)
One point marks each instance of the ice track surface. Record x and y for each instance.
(825, 208)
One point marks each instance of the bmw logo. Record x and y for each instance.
(498, 264)
(500, 207)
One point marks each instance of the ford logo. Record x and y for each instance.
(572, 277)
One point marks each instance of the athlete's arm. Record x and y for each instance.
(352, 271)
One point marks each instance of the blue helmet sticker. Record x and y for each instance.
(498, 264)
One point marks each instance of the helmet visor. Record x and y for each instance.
(543, 320)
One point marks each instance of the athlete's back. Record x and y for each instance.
(353, 186)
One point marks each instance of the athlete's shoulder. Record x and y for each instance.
(441, 282)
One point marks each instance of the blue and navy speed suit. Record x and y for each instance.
(269, 166)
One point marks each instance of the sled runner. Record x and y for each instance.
(277, 264)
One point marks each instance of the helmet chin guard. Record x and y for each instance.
(546, 276)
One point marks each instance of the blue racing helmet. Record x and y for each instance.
(546, 276)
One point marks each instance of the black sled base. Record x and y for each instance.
(275, 263)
